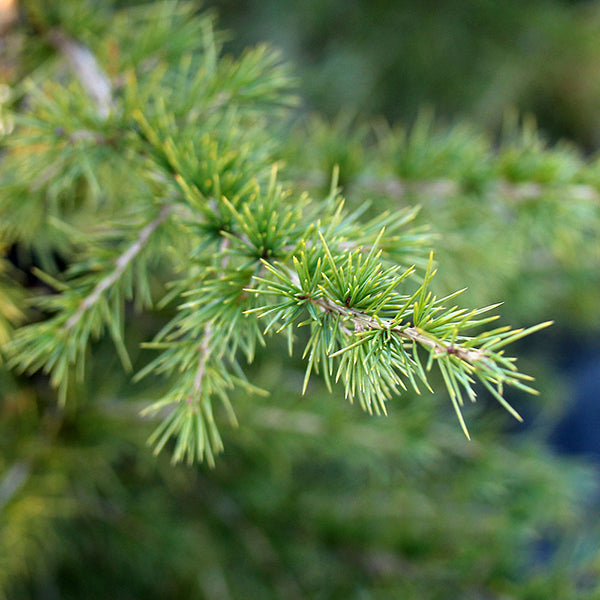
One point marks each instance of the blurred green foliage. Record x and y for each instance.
(472, 59)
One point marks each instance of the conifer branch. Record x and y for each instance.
(207, 337)
(366, 332)
(205, 134)
(204, 351)
(363, 322)
(122, 262)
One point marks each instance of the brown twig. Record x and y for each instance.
(363, 322)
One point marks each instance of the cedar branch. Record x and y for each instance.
(121, 264)
(363, 322)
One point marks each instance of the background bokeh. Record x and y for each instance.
(470, 60)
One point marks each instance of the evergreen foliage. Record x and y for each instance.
(201, 142)
(161, 197)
